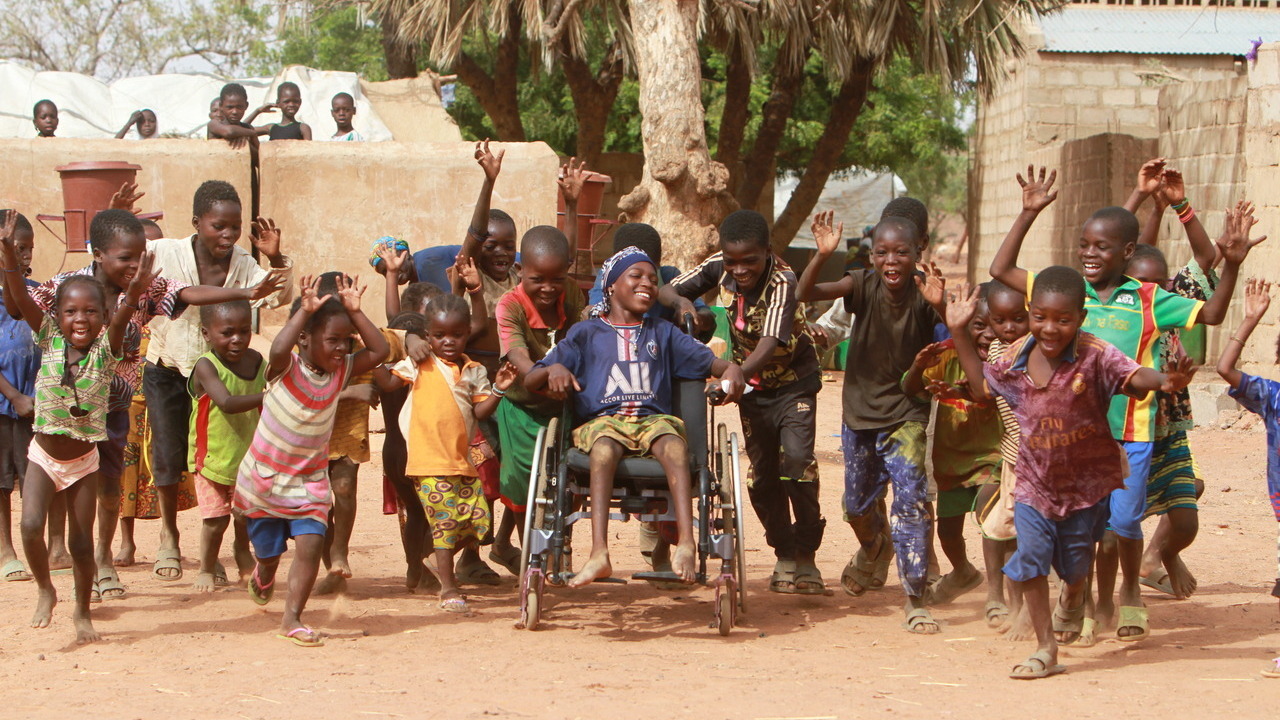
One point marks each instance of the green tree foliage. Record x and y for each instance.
(335, 37)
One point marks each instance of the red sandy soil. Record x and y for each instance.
(632, 651)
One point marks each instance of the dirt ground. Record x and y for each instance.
(632, 651)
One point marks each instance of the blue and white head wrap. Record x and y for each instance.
(613, 269)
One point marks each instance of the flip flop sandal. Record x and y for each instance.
(14, 571)
(477, 573)
(509, 561)
(1088, 634)
(1133, 617)
(808, 581)
(1068, 621)
(996, 613)
(921, 616)
(945, 591)
(783, 579)
(1042, 659)
(456, 605)
(1273, 670)
(95, 595)
(294, 636)
(260, 594)
(866, 573)
(220, 576)
(1158, 580)
(167, 560)
(109, 586)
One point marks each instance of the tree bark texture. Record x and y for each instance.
(758, 168)
(401, 56)
(683, 192)
(845, 109)
(733, 118)
(594, 93)
(497, 93)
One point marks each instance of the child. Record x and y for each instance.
(531, 318)
(1260, 396)
(1129, 315)
(771, 343)
(390, 258)
(343, 110)
(119, 246)
(208, 257)
(19, 364)
(647, 239)
(228, 124)
(895, 311)
(439, 457)
(282, 487)
(621, 366)
(226, 389)
(1059, 381)
(71, 395)
(288, 102)
(144, 121)
(966, 458)
(45, 117)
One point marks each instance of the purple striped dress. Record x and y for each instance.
(285, 474)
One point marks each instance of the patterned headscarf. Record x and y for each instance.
(613, 269)
(386, 241)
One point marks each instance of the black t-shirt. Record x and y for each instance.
(882, 345)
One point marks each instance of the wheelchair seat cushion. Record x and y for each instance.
(640, 470)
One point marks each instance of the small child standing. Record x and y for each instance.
(71, 395)
(1059, 381)
(45, 117)
(439, 458)
(621, 367)
(19, 365)
(226, 392)
(144, 121)
(1261, 396)
(288, 102)
(282, 487)
(343, 110)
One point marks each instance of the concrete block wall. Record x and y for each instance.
(1262, 184)
(331, 200)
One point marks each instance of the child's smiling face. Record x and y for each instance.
(543, 278)
(24, 242)
(81, 315)
(219, 228)
(329, 344)
(981, 332)
(636, 290)
(1055, 321)
(1007, 314)
(893, 254)
(448, 333)
(228, 333)
(744, 262)
(119, 258)
(1103, 253)
(498, 251)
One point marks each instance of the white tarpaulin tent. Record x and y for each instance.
(89, 108)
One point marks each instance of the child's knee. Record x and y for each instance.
(31, 529)
(80, 546)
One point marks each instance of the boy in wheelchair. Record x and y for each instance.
(620, 367)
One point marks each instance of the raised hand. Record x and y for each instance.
(826, 237)
(1036, 195)
(928, 355)
(350, 290)
(505, 377)
(1149, 176)
(962, 308)
(1174, 189)
(1234, 244)
(142, 279)
(266, 237)
(7, 227)
(933, 286)
(125, 198)
(1257, 298)
(1178, 375)
(275, 279)
(490, 163)
(571, 180)
(466, 269)
(309, 285)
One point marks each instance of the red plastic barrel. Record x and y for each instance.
(87, 188)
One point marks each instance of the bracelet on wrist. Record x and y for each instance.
(1187, 216)
(475, 291)
(1178, 207)
(499, 393)
(1233, 337)
(128, 304)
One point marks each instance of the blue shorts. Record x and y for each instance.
(1066, 545)
(269, 534)
(1128, 504)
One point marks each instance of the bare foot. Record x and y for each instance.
(597, 567)
(340, 567)
(85, 633)
(332, 583)
(426, 581)
(1018, 628)
(683, 563)
(60, 560)
(1180, 578)
(204, 583)
(45, 600)
(125, 558)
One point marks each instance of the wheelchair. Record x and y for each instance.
(559, 497)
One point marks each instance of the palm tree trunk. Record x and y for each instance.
(845, 110)
(401, 57)
(497, 93)
(758, 171)
(593, 93)
(683, 191)
(734, 116)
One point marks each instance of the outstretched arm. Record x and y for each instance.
(16, 298)
(376, 347)
(1151, 230)
(827, 238)
(478, 230)
(210, 384)
(213, 295)
(281, 353)
(570, 180)
(1173, 192)
(960, 312)
(913, 380)
(1257, 298)
(392, 261)
(1036, 196)
(1149, 177)
(1234, 246)
(1145, 380)
(502, 382)
(133, 120)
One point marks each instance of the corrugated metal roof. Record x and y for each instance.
(1158, 31)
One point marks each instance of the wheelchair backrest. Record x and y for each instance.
(691, 406)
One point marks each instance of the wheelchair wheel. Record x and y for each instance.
(532, 614)
(726, 613)
(537, 488)
(739, 531)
